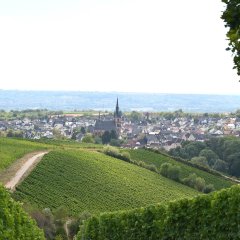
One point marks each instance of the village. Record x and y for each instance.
(132, 130)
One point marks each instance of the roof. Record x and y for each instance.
(105, 125)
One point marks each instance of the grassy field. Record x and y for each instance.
(13, 149)
(157, 159)
(83, 180)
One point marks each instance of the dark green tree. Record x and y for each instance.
(106, 137)
(232, 21)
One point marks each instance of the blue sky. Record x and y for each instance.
(135, 45)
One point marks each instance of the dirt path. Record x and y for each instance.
(24, 169)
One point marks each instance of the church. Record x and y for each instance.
(109, 125)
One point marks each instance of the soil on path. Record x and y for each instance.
(29, 162)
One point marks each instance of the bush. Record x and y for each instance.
(152, 168)
(88, 138)
(114, 152)
(209, 188)
(170, 171)
(200, 184)
(174, 172)
(164, 169)
(141, 164)
(190, 180)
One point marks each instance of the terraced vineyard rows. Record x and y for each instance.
(158, 159)
(90, 181)
(12, 149)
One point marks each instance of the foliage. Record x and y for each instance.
(232, 22)
(150, 157)
(82, 180)
(14, 222)
(202, 161)
(108, 136)
(216, 150)
(210, 155)
(170, 171)
(214, 216)
(88, 138)
(114, 152)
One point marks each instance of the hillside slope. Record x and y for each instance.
(90, 181)
(157, 159)
(13, 149)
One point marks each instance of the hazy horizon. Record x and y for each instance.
(125, 92)
(76, 100)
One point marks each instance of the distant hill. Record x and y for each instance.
(69, 101)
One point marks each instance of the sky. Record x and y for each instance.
(115, 45)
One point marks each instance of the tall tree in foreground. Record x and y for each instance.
(231, 17)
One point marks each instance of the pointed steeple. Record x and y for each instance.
(117, 112)
(117, 108)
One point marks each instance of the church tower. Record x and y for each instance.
(117, 118)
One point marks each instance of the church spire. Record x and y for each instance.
(117, 112)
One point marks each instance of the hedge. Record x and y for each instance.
(213, 216)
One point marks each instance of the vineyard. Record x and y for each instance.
(90, 181)
(12, 149)
(158, 159)
(213, 216)
(14, 222)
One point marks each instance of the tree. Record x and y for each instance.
(135, 116)
(234, 164)
(106, 137)
(209, 155)
(88, 138)
(232, 22)
(220, 165)
(83, 130)
(202, 161)
(113, 134)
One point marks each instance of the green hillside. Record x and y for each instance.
(90, 181)
(212, 216)
(157, 159)
(14, 222)
(13, 149)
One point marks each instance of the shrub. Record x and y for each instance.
(200, 184)
(114, 152)
(141, 164)
(152, 168)
(174, 172)
(170, 171)
(164, 169)
(190, 180)
(209, 188)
